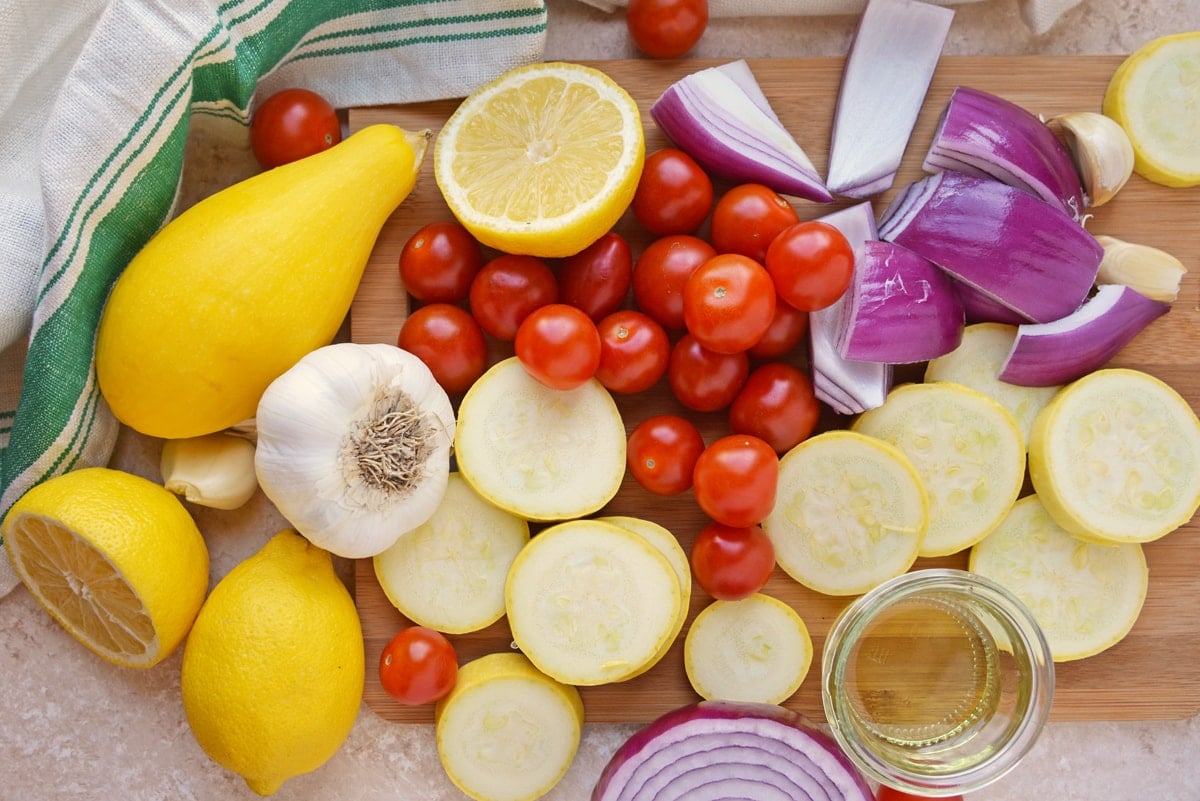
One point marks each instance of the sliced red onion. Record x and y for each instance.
(847, 387)
(1018, 250)
(988, 136)
(900, 308)
(721, 118)
(727, 749)
(1055, 353)
(892, 58)
(979, 308)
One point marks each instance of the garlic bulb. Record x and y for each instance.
(1152, 272)
(354, 446)
(215, 470)
(1102, 151)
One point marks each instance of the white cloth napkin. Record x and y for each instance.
(1038, 15)
(95, 105)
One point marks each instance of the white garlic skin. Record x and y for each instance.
(214, 470)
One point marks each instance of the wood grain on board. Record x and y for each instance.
(1151, 674)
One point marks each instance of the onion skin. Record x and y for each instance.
(901, 308)
(988, 136)
(765, 729)
(1070, 348)
(1020, 251)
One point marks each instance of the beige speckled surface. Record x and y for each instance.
(74, 727)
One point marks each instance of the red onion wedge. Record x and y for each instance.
(979, 308)
(887, 73)
(1019, 250)
(900, 308)
(1064, 350)
(721, 118)
(728, 749)
(991, 137)
(847, 387)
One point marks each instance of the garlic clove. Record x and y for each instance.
(215, 470)
(1152, 272)
(1101, 149)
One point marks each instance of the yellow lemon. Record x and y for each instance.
(543, 160)
(1155, 96)
(113, 557)
(273, 668)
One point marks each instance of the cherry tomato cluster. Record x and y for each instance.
(714, 307)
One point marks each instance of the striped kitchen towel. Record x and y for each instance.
(95, 107)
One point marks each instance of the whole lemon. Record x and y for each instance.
(273, 667)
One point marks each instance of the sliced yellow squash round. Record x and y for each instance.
(591, 603)
(1115, 457)
(756, 649)
(1086, 597)
(968, 451)
(449, 573)
(850, 512)
(540, 453)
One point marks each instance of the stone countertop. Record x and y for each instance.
(75, 727)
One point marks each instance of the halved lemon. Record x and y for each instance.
(113, 557)
(1155, 96)
(543, 160)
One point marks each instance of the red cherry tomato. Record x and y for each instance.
(889, 794)
(292, 124)
(597, 278)
(450, 343)
(661, 272)
(634, 350)
(418, 666)
(662, 453)
(666, 28)
(783, 335)
(728, 303)
(559, 346)
(439, 262)
(811, 264)
(777, 404)
(731, 563)
(702, 379)
(507, 289)
(674, 194)
(735, 479)
(747, 218)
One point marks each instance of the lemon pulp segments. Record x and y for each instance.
(543, 160)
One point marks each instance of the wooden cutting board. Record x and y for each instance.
(1152, 674)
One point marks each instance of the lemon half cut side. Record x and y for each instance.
(543, 160)
(113, 557)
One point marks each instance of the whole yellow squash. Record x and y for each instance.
(233, 291)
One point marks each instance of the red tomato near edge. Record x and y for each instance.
(702, 379)
(662, 453)
(418, 666)
(662, 270)
(559, 346)
(811, 264)
(783, 335)
(674, 194)
(634, 350)
(778, 405)
(597, 278)
(292, 124)
(728, 303)
(439, 262)
(666, 28)
(747, 218)
(735, 478)
(731, 563)
(890, 794)
(507, 289)
(450, 343)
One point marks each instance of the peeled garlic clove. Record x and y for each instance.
(215, 470)
(1101, 149)
(1152, 272)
